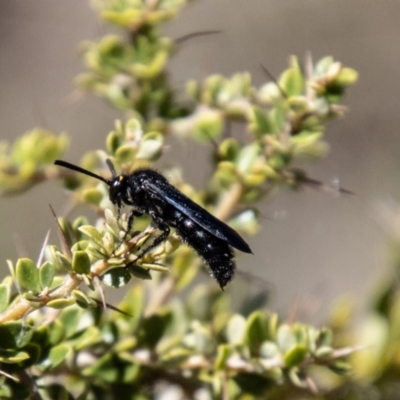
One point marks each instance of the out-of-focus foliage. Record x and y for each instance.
(172, 333)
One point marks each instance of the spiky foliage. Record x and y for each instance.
(59, 340)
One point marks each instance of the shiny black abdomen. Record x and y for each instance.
(216, 253)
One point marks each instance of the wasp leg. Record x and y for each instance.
(131, 216)
(165, 230)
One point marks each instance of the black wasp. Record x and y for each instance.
(149, 192)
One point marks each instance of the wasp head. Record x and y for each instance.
(118, 190)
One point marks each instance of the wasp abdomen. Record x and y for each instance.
(215, 252)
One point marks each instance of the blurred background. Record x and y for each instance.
(313, 246)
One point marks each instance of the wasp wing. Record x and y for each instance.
(198, 214)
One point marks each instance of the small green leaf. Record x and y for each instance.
(116, 277)
(34, 351)
(4, 296)
(341, 367)
(324, 352)
(63, 260)
(133, 304)
(154, 327)
(296, 378)
(58, 354)
(126, 153)
(151, 146)
(295, 355)
(16, 358)
(236, 328)
(15, 335)
(292, 80)
(59, 304)
(256, 330)
(92, 196)
(83, 300)
(32, 299)
(81, 262)
(27, 274)
(103, 368)
(93, 234)
(285, 338)
(139, 272)
(46, 274)
(346, 77)
(260, 122)
(175, 357)
(209, 125)
(325, 337)
(113, 141)
(70, 319)
(228, 149)
(184, 269)
(224, 351)
(201, 301)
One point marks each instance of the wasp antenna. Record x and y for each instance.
(73, 167)
(111, 166)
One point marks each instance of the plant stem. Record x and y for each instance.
(228, 202)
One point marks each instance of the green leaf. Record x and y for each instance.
(70, 319)
(41, 336)
(57, 355)
(4, 296)
(104, 368)
(175, 357)
(113, 141)
(46, 274)
(63, 260)
(256, 330)
(269, 350)
(81, 262)
(224, 351)
(139, 272)
(184, 269)
(83, 300)
(209, 125)
(260, 122)
(15, 358)
(341, 367)
(324, 352)
(126, 153)
(295, 355)
(153, 328)
(27, 274)
(34, 351)
(151, 146)
(57, 332)
(15, 334)
(297, 378)
(60, 304)
(346, 77)
(292, 80)
(236, 329)
(229, 149)
(285, 337)
(201, 301)
(116, 277)
(133, 304)
(93, 234)
(92, 196)
(88, 338)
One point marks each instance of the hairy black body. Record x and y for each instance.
(149, 192)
